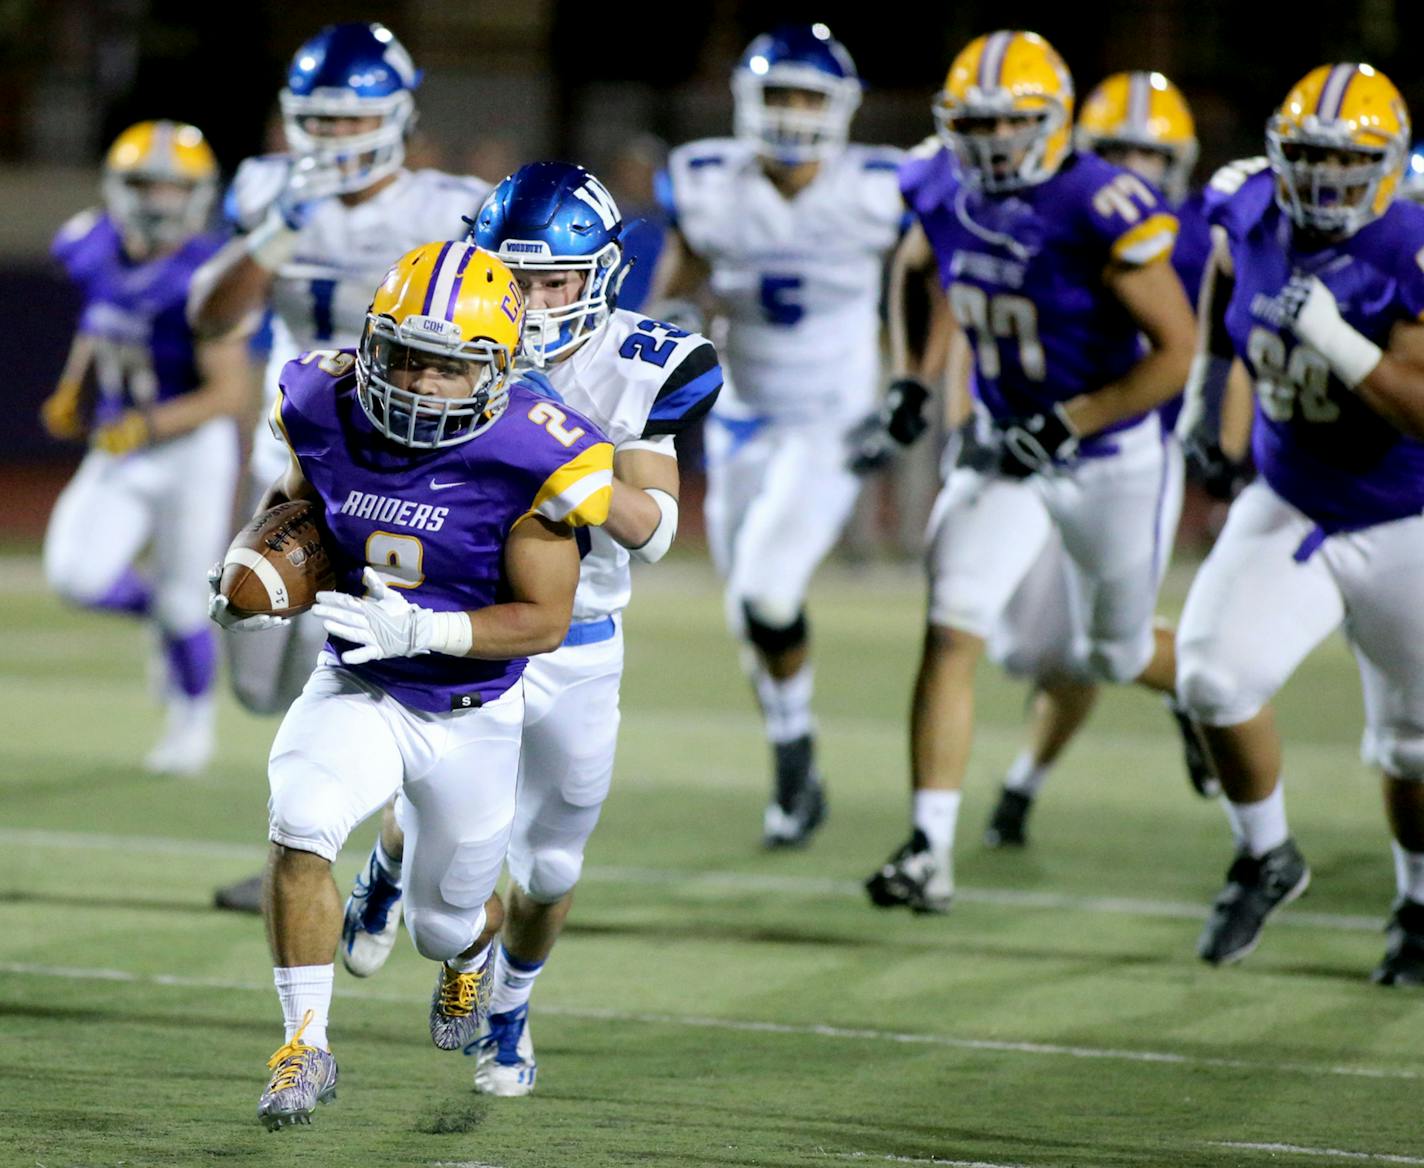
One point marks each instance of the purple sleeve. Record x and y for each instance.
(82, 243)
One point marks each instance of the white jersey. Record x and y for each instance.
(798, 281)
(320, 295)
(639, 380)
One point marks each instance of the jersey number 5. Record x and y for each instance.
(991, 319)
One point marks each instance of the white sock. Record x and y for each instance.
(786, 704)
(513, 981)
(1262, 826)
(935, 813)
(301, 988)
(392, 868)
(1408, 873)
(1025, 776)
(468, 964)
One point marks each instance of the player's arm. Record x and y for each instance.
(541, 568)
(1153, 297)
(225, 380)
(680, 272)
(643, 514)
(62, 413)
(1389, 380)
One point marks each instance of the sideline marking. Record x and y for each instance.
(740, 1026)
(739, 882)
(1297, 1150)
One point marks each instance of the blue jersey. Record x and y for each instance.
(1023, 273)
(435, 522)
(134, 312)
(1318, 445)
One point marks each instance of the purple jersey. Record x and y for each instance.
(1316, 443)
(134, 312)
(435, 522)
(1023, 273)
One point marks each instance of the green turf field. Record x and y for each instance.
(711, 1004)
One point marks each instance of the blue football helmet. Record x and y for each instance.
(555, 216)
(1412, 187)
(351, 71)
(795, 57)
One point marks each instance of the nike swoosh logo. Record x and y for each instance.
(434, 486)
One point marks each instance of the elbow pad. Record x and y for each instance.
(656, 545)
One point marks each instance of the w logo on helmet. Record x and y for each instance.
(593, 193)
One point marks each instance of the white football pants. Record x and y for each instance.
(1255, 611)
(345, 747)
(175, 497)
(987, 532)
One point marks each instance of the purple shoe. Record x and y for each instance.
(302, 1077)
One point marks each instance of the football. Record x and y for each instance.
(277, 563)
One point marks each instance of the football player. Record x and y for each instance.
(1141, 122)
(643, 382)
(1320, 289)
(1056, 268)
(157, 408)
(449, 493)
(317, 227)
(789, 228)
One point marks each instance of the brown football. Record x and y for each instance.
(277, 563)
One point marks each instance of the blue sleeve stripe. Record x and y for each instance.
(882, 164)
(680, 403)
(663, 193)
(705, 160)
(231, 211)
(540, 384)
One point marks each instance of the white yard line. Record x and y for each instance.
(739, 1026)
(1332, 1153)
(875, 1157)
(736, 883)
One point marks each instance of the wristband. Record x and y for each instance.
(451, 633)
(1352, 355)
(271, 243)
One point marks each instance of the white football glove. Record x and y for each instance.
(1312, 313)
(219, 611)
(274, 241)
(383, 623)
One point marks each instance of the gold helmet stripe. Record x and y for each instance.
(1332, 93)
(991, 60)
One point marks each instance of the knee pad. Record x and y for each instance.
(1215, 695)
(1119, 661)
(774, 628)
(548, 874)
(440, 933)
(1400, 756)
(305, 810)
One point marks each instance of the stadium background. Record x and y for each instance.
(606, 85)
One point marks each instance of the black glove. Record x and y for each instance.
(1221, 477)
(1032, 444)
(899, 422)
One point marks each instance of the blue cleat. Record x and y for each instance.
(504, 1055)
(373, 912)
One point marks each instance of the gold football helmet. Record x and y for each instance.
(441, 336)
(1141, 111)
(160, 179)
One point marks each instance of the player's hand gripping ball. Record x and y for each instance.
(275, 565)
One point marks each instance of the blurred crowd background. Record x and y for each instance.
(608, 85)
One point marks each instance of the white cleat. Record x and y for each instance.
(373, 913)
(187, 744)
(504, 1055)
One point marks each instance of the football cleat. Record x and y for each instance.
(912, 878)
(1007, 826)
(373, 913)
(458, 1004)
(244, 896)
(187, 744)
(1403, 963)
(302, 1077)
(504, 1055)
(798, 805)
(1255, 888)
(1200, 772)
